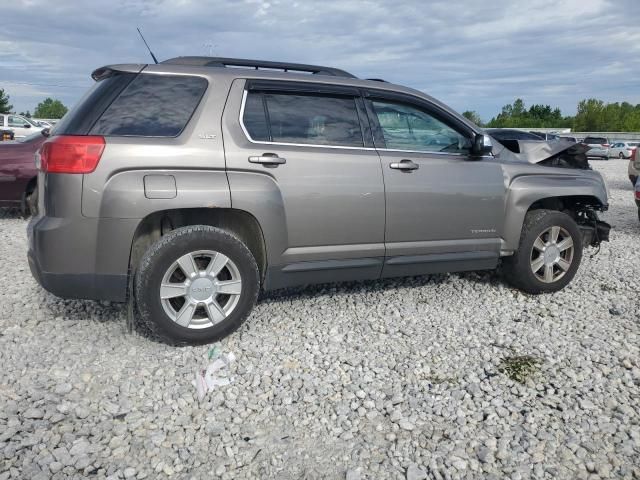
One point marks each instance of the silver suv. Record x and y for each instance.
(188, 186)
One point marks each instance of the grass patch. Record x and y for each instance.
(520, 368)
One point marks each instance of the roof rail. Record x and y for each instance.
(257, 64)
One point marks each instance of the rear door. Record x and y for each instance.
(444, 209)
(300, 158)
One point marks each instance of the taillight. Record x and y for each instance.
(637, 194)
(71, 154)
(605, 145)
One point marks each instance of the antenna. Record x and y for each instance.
(145, 42)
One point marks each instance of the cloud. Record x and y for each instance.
(468, 54)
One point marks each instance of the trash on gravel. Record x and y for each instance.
(217, 373)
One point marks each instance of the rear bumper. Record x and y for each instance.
(78, 285)
(79, 258)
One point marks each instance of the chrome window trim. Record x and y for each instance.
(246, 134)
(369, 149)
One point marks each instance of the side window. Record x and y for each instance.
(303, 118)
(17, 121)
(255, 119)
(152, 106)
(405, 127)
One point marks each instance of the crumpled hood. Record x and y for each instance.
(556, 153)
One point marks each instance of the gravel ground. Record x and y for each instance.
(414, 378)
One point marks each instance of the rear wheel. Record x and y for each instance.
(549, 253)
(621, 155)
(29, 202)
(196, 285)
(633, 180)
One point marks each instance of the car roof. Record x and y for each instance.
(199, 66)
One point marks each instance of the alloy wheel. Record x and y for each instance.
(552, 254)
(200, 289)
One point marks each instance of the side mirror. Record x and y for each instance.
(481, 145)
(27, 125)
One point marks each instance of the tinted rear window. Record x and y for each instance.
(84, 114)
(152, 106)
(593, 140)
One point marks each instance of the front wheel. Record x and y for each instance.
(196, 285)
(549, 253)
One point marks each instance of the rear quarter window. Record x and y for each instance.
(152, 106)
(80, 119)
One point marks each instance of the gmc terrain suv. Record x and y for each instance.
(188, 186)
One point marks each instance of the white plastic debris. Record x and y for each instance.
(217, 374)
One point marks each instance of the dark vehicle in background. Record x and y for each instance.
(637, 195)
(572, 139)
(18, 172)
(546, 136)
(512, 134)
(634, 166)
(599, 147)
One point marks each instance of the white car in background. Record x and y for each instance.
(622, 149)
(21, 126)
(599, 147)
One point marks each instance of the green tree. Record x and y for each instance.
(5, 106)
(590, 116)
(50, 108)
(473, 116)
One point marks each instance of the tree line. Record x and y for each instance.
(48, 108)
(592, 115)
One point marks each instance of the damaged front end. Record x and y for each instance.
(594, 231)
(557, 153)
(580, 202)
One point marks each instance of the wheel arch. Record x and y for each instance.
(569, 194)
(239, 222)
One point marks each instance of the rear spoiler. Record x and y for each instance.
(108, 70)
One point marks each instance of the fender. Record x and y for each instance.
(132, 195)
(525, 190)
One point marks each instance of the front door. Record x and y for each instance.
(444, 209)
(303, 163)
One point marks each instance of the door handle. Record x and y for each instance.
(406, 165)
(268, 159)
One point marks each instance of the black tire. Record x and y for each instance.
(517, 268)
(31, 200)
(633, 180)
(621, 156)
(161, 255)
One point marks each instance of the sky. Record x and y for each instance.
(470, 54)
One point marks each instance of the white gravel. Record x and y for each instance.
(393, 379)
